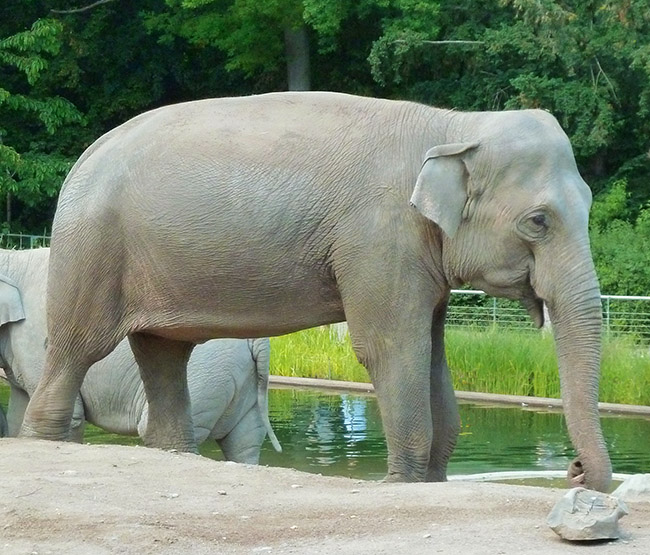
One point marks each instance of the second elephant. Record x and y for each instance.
(227, 378)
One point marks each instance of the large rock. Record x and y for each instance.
(584, 514)
(634, 488)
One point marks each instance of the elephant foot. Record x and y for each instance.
(437, 476)
(576, 474)
(172, 446)
(402, 477)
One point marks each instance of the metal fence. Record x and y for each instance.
(20, 241)
(621, 314)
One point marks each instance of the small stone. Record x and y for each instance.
(426, 536)
(355, 491)
(584, 515)
(294, 527)
(222, 492)
(296, 486)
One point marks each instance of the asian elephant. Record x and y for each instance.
(227, 378)
(262, 215)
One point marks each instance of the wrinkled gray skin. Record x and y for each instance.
(263, 215)
(228, 379)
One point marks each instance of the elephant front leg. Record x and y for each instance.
(406, 418)
(444, 408)
(399, 365)
(163, 369)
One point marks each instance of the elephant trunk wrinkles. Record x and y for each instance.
(576, 314)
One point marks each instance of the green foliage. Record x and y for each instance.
(31, 167)
(406, 27)
(620, 242)
(250, 33)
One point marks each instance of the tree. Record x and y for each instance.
(257, 37)
(31, 166)
(261, 38)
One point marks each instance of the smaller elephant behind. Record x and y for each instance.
(227, 378)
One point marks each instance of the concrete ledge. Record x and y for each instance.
(522, 475)
(471, 396)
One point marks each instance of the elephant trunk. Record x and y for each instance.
(576, 314)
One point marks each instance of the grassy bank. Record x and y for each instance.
(491, 361)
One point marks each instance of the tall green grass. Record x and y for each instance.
(493, 360)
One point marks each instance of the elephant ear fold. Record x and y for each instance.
(11, 304)
(440, 191)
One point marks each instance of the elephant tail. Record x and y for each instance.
(261, 350)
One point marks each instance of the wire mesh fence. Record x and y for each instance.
(628, 315)
(475, 308)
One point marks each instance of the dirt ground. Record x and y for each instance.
(92, 499)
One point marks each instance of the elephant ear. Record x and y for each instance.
(11, 304)
(440, 191)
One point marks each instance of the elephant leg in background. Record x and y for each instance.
(163, 369)
(78, 424)
(444, 408)
(243, 442)
(18, 400)
(4, 427)
(393, 341)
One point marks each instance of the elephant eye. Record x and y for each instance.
(534, 226)
(539, 220)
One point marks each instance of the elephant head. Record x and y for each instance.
(514, 211)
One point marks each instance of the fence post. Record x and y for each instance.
(494, 311)
(607, 315)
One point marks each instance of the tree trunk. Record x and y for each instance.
(296, 46)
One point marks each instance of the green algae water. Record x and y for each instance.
(341, 435)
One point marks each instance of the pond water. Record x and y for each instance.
(341, 434)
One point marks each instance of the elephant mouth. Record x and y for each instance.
(535, 307)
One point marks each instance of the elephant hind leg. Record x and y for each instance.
(244, 442)
(50, 409)
(163, 369)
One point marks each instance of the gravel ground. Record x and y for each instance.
(92, 499)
